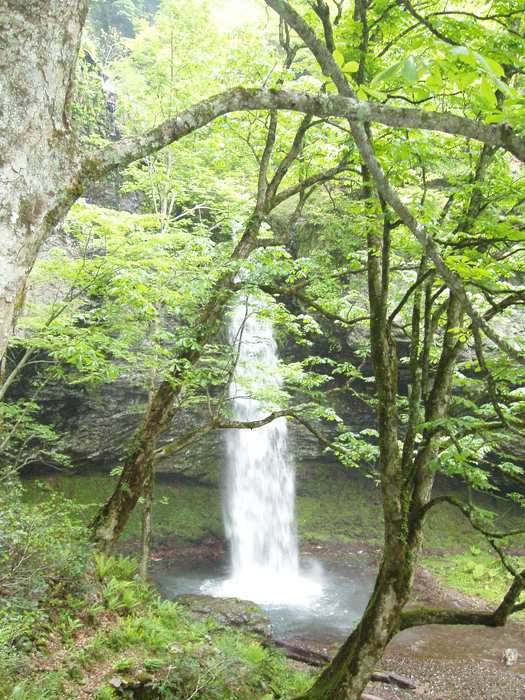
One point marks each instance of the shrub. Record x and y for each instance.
(43, 555)
(40, 545)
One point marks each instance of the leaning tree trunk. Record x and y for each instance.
(351, 669)
(39, 43)
(111, 519)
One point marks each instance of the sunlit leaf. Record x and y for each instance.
(350, 67)
(409, 70)
(338, 58)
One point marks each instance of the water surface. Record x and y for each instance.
(341, 595)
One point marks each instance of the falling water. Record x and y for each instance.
(259, 510)
(259, 506)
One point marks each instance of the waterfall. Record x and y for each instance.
(259, 509)
(260, 484)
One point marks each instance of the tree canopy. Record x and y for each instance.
(357, 165)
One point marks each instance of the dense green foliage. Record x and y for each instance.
(136, 284)
(76, 619)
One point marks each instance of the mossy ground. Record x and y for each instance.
(334, 506)
(184, 511)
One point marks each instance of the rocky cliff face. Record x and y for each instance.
(98, 422)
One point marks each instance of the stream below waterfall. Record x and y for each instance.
(326, 622)
(329, 615)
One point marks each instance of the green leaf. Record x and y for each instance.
(409, 70)
(338, 58)
(465, 54)
(459, 51)
(434, 80)
(487, 92)
(469, 59)
(468, 79)
(495, 118)
(420, 94)
(374, 93)
(388, 73)
(491, 65)
(350, 67)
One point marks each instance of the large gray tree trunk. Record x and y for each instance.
(39, 43)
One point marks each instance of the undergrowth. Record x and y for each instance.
(76, 624)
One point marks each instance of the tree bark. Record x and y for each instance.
(146, 537)
(351, 669)
(149, 483)
(113, 516)
(126, 151)
(349, 672)
(39, 158)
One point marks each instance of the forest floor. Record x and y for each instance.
(339, 520)
(452, 662)
(444, 662)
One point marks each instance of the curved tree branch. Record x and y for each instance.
(386, 190)
(447, 498)
(95, 165)
(431, 616)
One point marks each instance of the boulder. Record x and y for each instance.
(231, 612)
(509, 657)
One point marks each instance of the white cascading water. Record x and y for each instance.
(260, 490)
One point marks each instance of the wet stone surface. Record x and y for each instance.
(232, 612)
(444, 662)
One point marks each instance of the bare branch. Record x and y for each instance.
(408, 294)
(491, 384)
(467, 512)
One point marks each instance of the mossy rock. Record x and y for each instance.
(231, 612)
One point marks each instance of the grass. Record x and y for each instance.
(87, 622)
(476, 571)
(329, 506)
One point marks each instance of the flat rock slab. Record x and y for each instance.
(232, 612)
